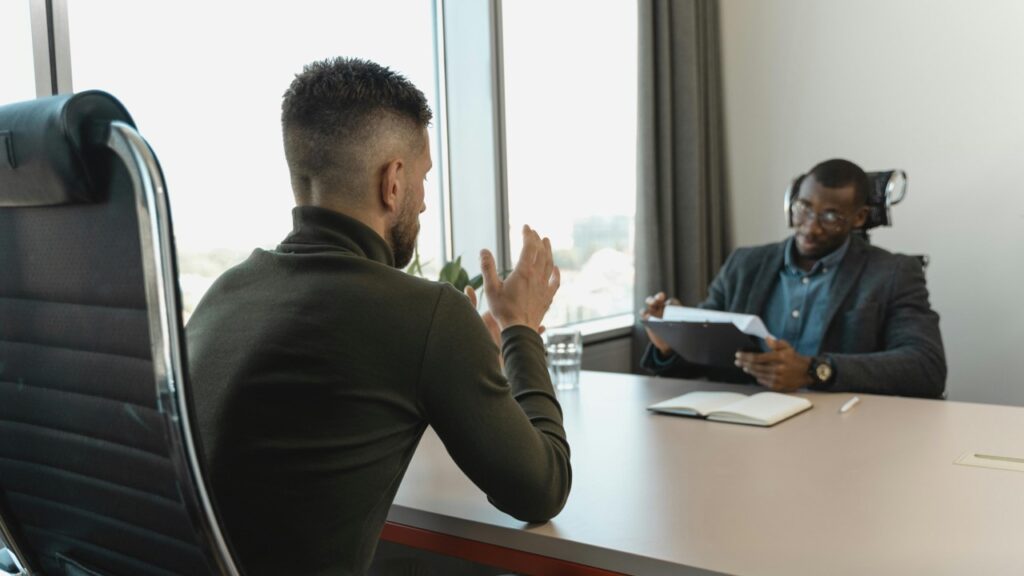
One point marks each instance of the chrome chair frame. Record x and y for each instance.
(153, 211)
(9, 563)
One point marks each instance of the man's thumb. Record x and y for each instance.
(471, 294)
(489, 271)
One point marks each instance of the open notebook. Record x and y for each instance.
(761, 409)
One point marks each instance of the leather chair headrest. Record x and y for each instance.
(48, 146)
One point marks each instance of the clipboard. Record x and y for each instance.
(706, 343)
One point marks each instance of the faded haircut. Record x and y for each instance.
(339, 115)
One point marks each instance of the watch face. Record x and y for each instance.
(823, 371)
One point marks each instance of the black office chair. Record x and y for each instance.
(888, 188)
(99, 472)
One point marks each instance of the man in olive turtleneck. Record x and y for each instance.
(317, 366)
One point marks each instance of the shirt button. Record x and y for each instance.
(805, 280)
(824, 270)
(796, 313)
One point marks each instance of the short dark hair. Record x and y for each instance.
(335, 107)
(836, 173)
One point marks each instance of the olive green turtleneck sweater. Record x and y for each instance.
(315, 369)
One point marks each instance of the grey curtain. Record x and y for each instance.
(681, 219)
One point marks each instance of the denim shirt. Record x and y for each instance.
(796, 310)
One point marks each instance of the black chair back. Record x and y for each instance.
(98, 471)
(888, 188)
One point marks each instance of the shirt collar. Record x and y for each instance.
(317, 229)
(829, 262)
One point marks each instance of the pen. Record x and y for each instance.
(849, 404)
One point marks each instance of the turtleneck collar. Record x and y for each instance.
(317, 229)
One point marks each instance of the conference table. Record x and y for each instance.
(875, 490)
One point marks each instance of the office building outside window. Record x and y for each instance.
(570, 122)
(204, 82)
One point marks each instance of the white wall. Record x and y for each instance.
(933, 87)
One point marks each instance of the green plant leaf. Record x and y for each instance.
(450, 271)
(462, 280)
(454, 274)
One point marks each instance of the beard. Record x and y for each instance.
(402, 236)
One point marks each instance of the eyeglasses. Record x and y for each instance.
(829, 219)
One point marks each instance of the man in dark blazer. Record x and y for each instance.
(845, 315)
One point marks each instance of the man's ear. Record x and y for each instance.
(860, 217)
(391, 185)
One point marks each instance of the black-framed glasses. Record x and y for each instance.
(802, 212)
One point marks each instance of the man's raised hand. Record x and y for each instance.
(526, 294)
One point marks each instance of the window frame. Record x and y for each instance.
(51, 47)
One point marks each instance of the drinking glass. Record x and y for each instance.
(564, 350)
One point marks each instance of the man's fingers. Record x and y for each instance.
(538, 258)
(548, 258)
(492, 284)
(758, 368)
(530, 247)
(771, 376)
(757, 357)
(653, 299)
(656, 304)
(776, 343)
(471, 294)
(555, 280)
(761, 372)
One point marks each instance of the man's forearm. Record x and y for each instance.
(919, 373)
(526, 369)
(504, 430)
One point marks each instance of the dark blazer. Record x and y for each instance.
(882, 335)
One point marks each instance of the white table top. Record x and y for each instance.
(872, 491)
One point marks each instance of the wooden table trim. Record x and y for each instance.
(484, 553)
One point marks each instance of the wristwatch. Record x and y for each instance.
(821, 371)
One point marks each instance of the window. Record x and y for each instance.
(17, 69)
(204, 81)
(570, 124)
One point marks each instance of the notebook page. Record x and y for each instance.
(763, 409)
(700, 402)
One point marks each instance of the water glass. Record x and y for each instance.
(564, 349)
